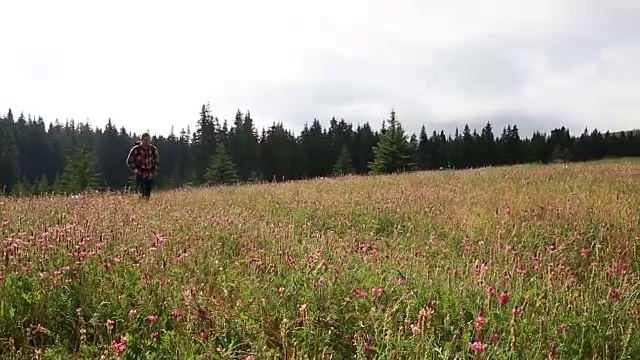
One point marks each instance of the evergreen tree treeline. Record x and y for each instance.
(73, 157)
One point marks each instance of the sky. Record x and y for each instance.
(149, 65)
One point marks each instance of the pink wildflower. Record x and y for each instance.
(614, 295)
(110, 324)
(360, 293)
(504, 298)
(119, 345)
(480, 321)
(176, 313)
(477, 346)
(585, 252)
(516, 311)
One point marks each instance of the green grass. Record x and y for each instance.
(384, 267)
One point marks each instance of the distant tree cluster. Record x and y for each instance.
(74, 157)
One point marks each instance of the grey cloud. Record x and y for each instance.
(476, 69)
(483, 68)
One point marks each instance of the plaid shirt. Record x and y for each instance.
(144, 161)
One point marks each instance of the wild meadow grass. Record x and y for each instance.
(525, 262)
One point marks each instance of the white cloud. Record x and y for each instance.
(152, 64)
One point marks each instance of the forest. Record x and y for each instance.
(73, 157)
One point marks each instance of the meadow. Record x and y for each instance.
(523, 262)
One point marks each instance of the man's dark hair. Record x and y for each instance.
(138, 142)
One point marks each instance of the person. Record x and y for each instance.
(143, 162)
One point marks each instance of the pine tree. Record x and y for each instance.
(22, 188)
(393, 153)
(79, 173)
(222, 168)
(42, 187)
(343, 165)
(9, 160)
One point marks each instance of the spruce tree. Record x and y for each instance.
(21, 188)
(222, 168)
(343, 165)
(79, 173)
(42, 187)
(9, 160)
(393, 153)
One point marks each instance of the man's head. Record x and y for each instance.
(145, 139)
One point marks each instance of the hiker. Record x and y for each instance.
(143, 162)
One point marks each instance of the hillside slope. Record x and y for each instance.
(517, 262)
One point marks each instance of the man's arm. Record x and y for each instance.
(156, 161)
(131, 160)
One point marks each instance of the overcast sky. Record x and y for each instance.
(152, 64)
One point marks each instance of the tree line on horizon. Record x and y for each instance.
(36, 159)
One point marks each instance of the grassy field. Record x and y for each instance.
(526, 262)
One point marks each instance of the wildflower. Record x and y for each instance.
(466, 246)
(360, 293)
(503, 298)
(302, 315)
(480, 321)
(133, 313)
(585, 252)
(494, 338)
(400, 281)
(289, 260)
(155, 335)
(480, 269)
(491, 291)
(415, 329)
(176, 313)
(152, 319)
(188, 296)
(119, 345)
(516, 311)
(614, 295)
(426, 313)
(377, 292)
(477, 346)
(552, 353)
(110, 324)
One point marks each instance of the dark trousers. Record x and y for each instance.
(144, 186)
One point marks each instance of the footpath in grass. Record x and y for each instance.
(525, 262)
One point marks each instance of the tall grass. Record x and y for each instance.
(526, 262)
